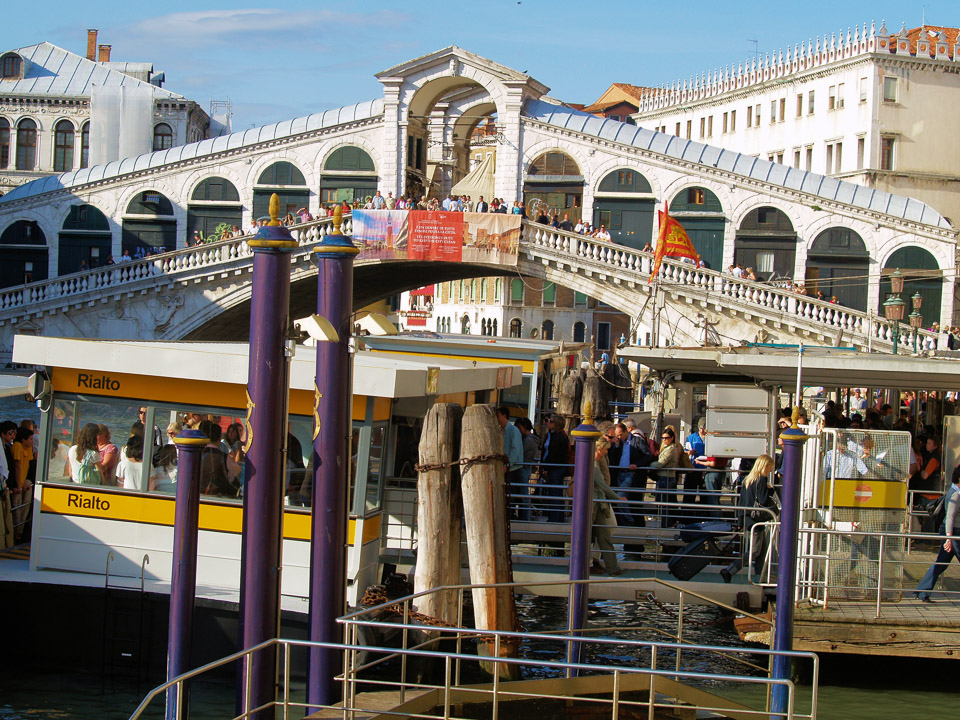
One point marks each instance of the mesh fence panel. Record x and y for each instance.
(854, 558)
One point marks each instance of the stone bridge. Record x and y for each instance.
(203, 293)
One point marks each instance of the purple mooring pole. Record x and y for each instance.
(331, 465)
(183, 580)
(585, 437)
(793, 440)
(264, 471)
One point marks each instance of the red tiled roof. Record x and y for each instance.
(932, 31)
(637, 91)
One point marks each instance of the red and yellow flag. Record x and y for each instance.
(673, 241)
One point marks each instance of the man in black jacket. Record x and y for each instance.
(482, 206)
(626, 462)
(555, 456)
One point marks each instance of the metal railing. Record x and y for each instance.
(877, 568)
(641, 683)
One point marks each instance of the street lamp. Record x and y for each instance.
(916, 319)
(893, 306)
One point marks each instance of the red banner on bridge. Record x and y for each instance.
(437, 236)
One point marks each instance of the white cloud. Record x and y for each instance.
(253, 25)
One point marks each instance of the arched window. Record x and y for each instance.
(473, 290)
(216, 189)
(63, 146)
(162, 137)
(11, 66)
(497, 289)
(85, 145)
(546, 330)
(26, 145)
(496, 331)
(516, 328)
(579, 332)
(554, 163)
(516, 292)
(4, 143)
(465, 324)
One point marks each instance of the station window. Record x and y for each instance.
(603, 336)
(26, 145)
(4, 143)
(886, 153)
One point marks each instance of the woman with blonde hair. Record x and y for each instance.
(757, 501)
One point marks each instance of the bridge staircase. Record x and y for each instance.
(147, 296)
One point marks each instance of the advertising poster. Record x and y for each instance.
(437, 236)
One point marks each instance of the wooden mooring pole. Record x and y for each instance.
(488, 541)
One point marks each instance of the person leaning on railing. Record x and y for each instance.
(948, 551)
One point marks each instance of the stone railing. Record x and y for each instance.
(739, 294)
(64, 288)
(779, 65)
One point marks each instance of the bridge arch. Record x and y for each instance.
(23, 253)
(700, 211)
(624, 203)
(149, 224)
(555, 177)
(280, 175)
(214, 201)
(922, 273)
(838, 264)
(766, 240)
(348, 171)
(85, 237)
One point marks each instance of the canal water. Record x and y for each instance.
(850, 687)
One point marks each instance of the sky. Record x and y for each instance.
(275, 61)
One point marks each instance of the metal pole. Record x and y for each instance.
(183, 579)
(331, 464)
(793, 440)
(264, 471)
(585, 437)
(799, 401)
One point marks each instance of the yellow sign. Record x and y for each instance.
(886, 494)
(84, 501)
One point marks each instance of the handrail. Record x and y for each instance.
(716, 283)
(349, 678)
(124, 273)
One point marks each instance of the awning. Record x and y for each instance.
(480, 181)
(12, 385)
(821, 367)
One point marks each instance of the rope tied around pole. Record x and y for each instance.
(465, 462)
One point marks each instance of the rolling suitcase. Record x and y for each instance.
(693, 557)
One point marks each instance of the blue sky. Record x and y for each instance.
(280, 60)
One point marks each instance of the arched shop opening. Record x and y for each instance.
(287, 182)
(553, 179)
(84, 238)
(837, 265)
(922, 274)
(348, 174)
(767, 242)
(148, 225)
(214, 205)
(700, 213)
(579, 332)
(624, 205)
(23, 254)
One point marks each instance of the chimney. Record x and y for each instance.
(91, 44)
(104, 53)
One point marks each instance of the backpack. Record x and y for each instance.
(88, 473)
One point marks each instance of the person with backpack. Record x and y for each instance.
(83, 459)
(948, 550)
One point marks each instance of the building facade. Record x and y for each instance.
(866, 106)
(45, 109)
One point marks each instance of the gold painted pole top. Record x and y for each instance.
(274, 211)
(587, 413)
(337, 220)
(795, 417)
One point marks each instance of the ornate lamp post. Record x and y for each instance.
(893, 307)
(916, 319)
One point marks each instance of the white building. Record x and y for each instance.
(45, 110)
(865, 105)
